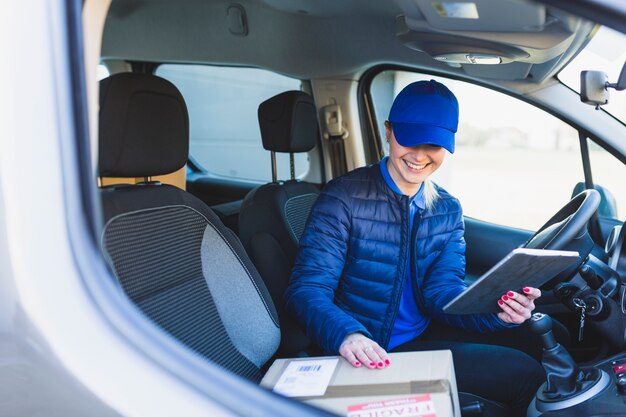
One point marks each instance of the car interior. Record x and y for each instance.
(220, 122)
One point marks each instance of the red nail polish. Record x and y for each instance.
(526, 289)
(387, 362)
(372, 364)
(357, 363)
(510, 294)
(500, 302)
(504, 297)
(380, 364)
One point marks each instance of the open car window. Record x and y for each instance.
(514, 164)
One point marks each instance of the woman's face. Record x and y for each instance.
(410, 166)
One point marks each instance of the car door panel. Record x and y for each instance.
(487, 243)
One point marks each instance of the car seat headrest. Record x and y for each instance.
(144, 126)
(288, 122)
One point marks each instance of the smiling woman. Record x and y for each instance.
(410, 166)
(422, 122)
(414, 251)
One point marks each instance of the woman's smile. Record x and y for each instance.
(417, 168)
(410, 166)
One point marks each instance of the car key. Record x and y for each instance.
(583, 307)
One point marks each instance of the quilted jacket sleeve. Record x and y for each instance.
(317, 272)
(444, 281)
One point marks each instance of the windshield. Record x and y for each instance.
(605, 52)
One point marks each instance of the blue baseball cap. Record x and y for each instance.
(425, 112)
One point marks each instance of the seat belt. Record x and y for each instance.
(594, 223)
(336, 135)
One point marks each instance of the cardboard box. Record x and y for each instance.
(416, 384)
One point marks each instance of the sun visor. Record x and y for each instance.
(481, 15)
(462, 50)
(484, 32)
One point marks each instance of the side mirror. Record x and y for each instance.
(594, 86)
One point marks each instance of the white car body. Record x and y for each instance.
(75, 346)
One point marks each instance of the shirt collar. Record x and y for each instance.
(417, 199)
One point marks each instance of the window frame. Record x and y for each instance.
(365, 99)
(373, 140)
(197, 171)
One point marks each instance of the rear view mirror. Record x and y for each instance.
(594, 86)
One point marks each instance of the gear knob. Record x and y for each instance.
(541, 325)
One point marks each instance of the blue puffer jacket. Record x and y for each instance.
(349, 273)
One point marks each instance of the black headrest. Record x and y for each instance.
(144, 126)
(288, 122)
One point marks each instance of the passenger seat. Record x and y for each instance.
(170, 253)
(273, 216)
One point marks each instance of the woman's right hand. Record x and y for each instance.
(358, 349)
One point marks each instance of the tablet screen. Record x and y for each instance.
(522, 267)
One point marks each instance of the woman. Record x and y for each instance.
(383, 253)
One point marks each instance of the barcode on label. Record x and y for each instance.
(309, 368)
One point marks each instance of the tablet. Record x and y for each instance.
(522, 267)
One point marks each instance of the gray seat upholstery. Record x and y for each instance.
(273, 216)
(170, 253)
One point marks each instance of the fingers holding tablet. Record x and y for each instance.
(517, 308)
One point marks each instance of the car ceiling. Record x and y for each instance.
(313, 39)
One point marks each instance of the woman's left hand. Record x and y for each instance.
(516, 307)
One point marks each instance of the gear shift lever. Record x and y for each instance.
(562, 374)
(566, 384)
(541, 324)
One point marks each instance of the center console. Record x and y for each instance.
(573, 391)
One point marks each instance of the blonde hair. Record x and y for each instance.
(430, 191)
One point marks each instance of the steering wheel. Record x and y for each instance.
(567, 230)
(567, 225)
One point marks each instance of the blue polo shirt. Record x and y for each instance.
(410, 321)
